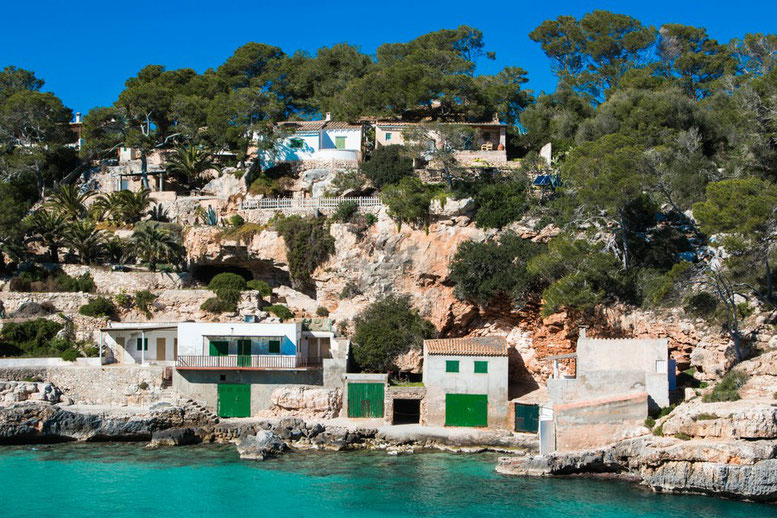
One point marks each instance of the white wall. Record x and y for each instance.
(192, 336)
(439, 383)
(130, 352)
(353, 138)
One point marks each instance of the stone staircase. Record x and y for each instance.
(190, 405)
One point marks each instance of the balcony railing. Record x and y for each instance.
(254, 361)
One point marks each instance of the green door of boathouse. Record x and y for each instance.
(365, 399)
(466, 410)
(234, 400)
(527, 418)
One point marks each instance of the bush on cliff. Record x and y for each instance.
(69, 355)
(408, 202)
(216, 305)
(227, 280)
(386, 329)
(99, 307)
(727, 388)
(500, 204)
(31, 338)
(308, 245)
(280, 311)
(262, 287)
(387, 166)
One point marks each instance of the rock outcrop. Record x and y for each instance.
(259, 446)
(306, 402)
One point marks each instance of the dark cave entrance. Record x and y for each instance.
(205, 272)
(407, 411)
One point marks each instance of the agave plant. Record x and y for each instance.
(189, 163)
(85, 239)
(69, 202)
(47, 228)
(154, 245)
(159, 213)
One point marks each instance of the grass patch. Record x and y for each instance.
(398, 383)
(727, 388)
(650, 422)
(706, 417)
(243, 232)
(659, 430)
(683, 436)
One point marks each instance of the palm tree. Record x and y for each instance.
(47, 228)
(85, 239)
(69, 201)
(154, 244)
(107, 206)
(189, 163)
(122, 206)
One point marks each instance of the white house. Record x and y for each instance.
(466, 382)
(140, 342)
(318, 141)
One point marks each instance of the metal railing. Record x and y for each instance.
(309, 203)
(234, 361)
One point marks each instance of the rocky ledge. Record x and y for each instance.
(730, 468)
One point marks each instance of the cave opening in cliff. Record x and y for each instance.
(407, 411)
(205, 272)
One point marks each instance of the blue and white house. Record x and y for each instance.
(318, 141)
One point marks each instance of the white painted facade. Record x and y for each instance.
(124, 340)
(194, 337)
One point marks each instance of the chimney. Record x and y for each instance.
(78, 117)
(582, 332)
(328, 116)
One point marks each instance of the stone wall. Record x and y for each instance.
(597, 423)
(65, 302)
(114, 385)
(393, 393)
(108, 281)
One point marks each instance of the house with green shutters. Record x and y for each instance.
(466, 382)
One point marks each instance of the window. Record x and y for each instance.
(296, 143)
(452, 366)
(275, 346)
(340, 142)
(388, 136)
(145, 344)
(661, 366)
(481, 367)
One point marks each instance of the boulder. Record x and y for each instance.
(175, 437)
(450, 208)
(308, 402)
(260, 446)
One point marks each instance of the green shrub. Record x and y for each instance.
(345, 211)
(45, 281)
(280, 311)
(308, 245)
(702, 304)
(408, 202)
(387, 166)
(706, 417)
(650, 422)
(216, 306)
(485, 270)
(143, 301)
(666, 411)
(99, 307)
(659, 430)
(262, 287)
(92, 351)
(31, 338)
(683, 436)
(572, 291)
(322, 312)
(227, 280)
(386, 329)
(727, 388)
(69, 355)
(236, 220)
(350, 290)
(370, 219)
(228, 295)
(143, 385)
(500, 204)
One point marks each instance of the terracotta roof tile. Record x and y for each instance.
(472, 346)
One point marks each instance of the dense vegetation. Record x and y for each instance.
(663, 139)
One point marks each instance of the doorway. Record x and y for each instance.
(407, 411)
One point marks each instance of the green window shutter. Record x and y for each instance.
(452, 366)
(244, 347)
(220, 348)
(340, 142)
(481, 367)
(139, 341)
(275, 347)
(388, 136)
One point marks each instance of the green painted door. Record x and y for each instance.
(365, 399)
(466, 410)
(234, 400)
(340, 142)
(219, 348)
(244, 353)
(527, 418)
(275, 347)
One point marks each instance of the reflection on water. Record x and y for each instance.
(123, 480)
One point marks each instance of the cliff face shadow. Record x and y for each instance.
(520, 380)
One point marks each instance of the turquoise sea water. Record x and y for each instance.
(126, 480)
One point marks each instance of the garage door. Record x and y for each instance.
(466, 410)
(234, 400)
(365, 399)
(527, 418)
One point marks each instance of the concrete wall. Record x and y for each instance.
(597, 423)
(353, 138)
(192, 336)
(615, 364)
(439, 383)
(202, 385)
(109, 385)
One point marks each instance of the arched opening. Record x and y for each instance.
(204, 273)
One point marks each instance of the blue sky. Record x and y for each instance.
(86, 50)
